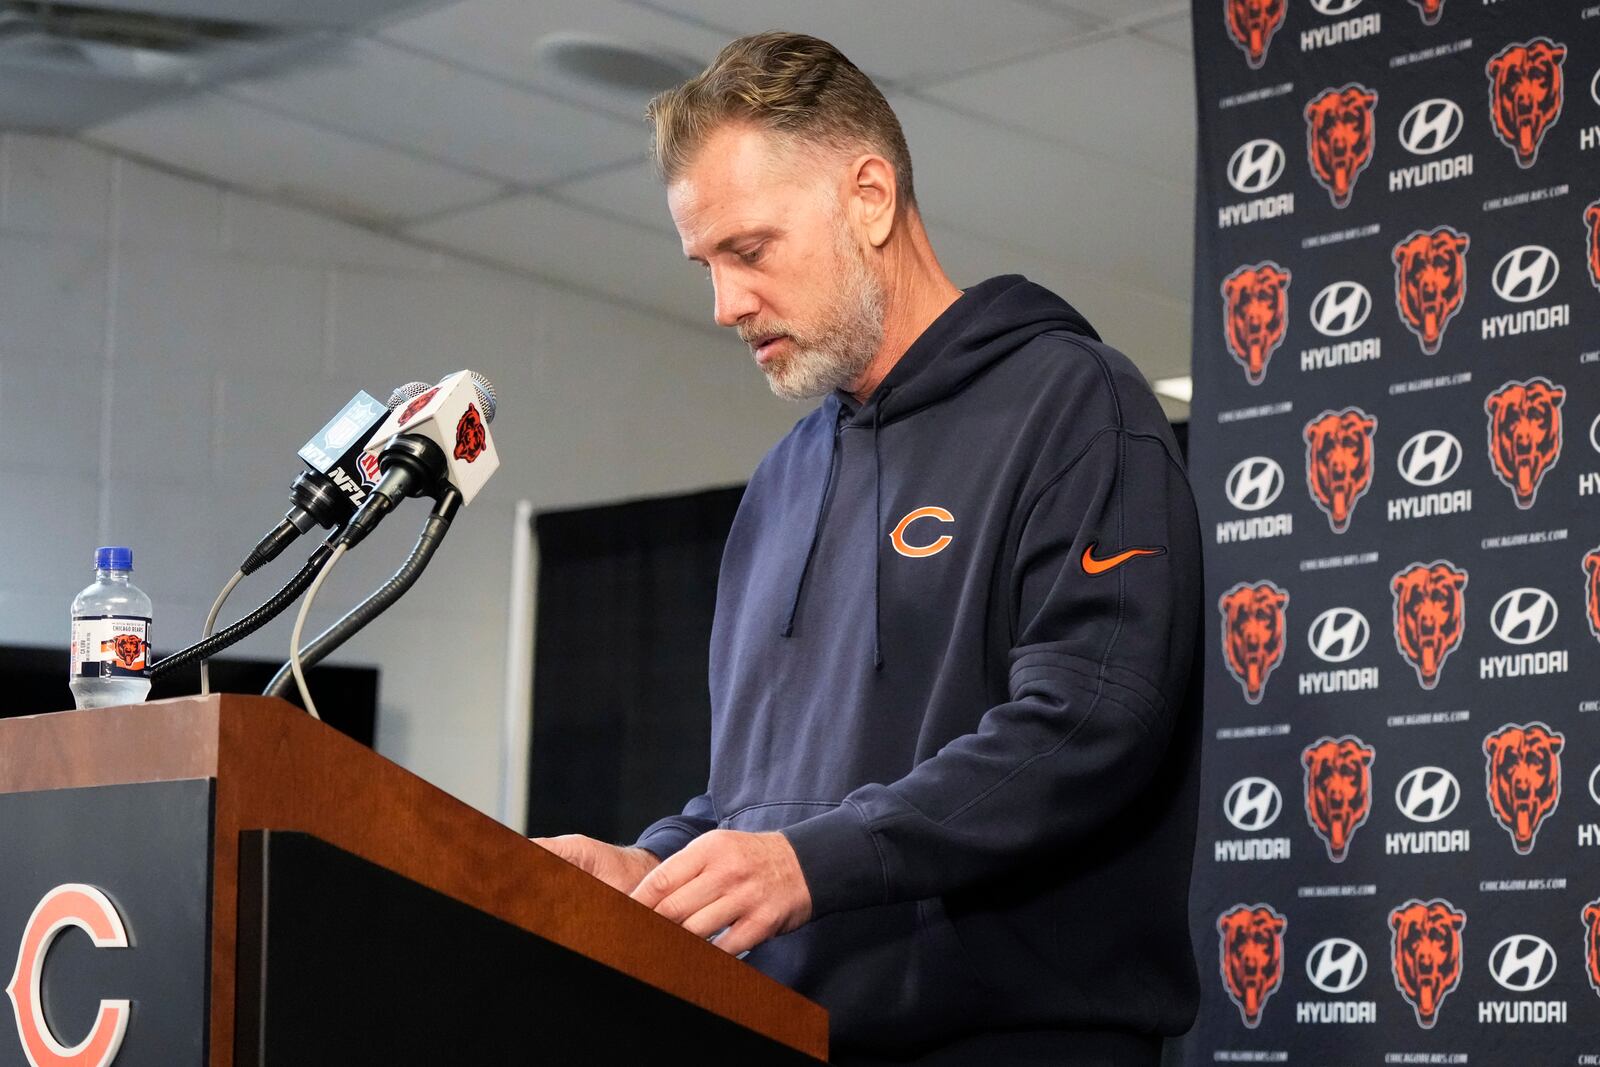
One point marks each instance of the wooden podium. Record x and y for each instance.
(304, 896)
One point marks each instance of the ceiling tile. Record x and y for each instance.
(1176, 33)
(235, 143)
(273, 12)
(499, 37)
(903, 41)
(560, 242)
(378, 92)
(1148, 122)
(632, 192)
(1025, 192)
(1120, 12)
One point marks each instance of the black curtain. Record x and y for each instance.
(621, 711)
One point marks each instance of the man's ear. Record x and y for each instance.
(875, 196)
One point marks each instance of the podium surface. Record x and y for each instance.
(237, 766)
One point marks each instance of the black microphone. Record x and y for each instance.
(438, 441)
(338, 478)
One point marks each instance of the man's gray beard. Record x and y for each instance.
(845, 341)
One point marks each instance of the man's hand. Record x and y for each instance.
(749, 883)
(618, 867)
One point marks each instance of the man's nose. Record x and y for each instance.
(731, 301)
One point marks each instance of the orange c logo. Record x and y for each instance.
(91, 911)
(898, 537)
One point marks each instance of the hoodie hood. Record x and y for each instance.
(985, 324)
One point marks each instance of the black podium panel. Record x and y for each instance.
(143, 852)
(343, 962)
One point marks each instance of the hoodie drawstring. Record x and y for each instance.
(877, 526)
(816, 530)
(877, 533)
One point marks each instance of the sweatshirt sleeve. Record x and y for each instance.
(668, 836)
(1105, 593)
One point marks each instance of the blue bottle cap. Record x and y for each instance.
(113, 559)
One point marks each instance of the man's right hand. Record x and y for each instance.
(618, 867)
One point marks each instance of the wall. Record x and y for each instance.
(166, 345)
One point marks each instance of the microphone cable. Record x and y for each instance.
(248, 625)
(211, 622)
(404, 578)
(299, 628)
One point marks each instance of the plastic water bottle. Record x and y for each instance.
(110, 635)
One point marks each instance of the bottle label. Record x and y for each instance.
(110, 646)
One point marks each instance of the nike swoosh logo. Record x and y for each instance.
(1100, 566)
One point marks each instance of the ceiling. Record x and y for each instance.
(1050, 137)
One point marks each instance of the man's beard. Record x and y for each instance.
(838, 350)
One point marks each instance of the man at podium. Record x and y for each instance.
(954, 744)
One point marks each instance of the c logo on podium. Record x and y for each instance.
(898, 536)
(91, 911)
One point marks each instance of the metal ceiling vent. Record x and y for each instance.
(84, 40)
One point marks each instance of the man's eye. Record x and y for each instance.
(751, 257)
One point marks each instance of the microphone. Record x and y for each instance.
(437, 440)
(338, 478)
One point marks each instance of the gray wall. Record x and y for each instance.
(166, 345)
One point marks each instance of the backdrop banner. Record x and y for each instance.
(1395, 443)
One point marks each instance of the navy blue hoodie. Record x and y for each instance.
(951, 662)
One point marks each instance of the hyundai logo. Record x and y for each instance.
(1594, 87)
(1338, 634)
(1594, 784)
(1335, 8)
(1256, 165)
(1341, 308)
(1427, 794)
(1252, 804)
(1254, 483)
(1429, 458)
(1523, 963)
(1594, 433)
(1524, 616)
(1336, 965)
(1526, 273)
(1431, 126)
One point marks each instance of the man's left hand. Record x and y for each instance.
(750, 884)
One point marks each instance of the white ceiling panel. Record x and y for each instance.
(558, 241)
(1022, 191)
(1148, 122)
(1121, 12)
(274, 12)
(631, 192)
(904, 41)
(499, 36)
(245, 146)
(1176, 33)
(399, 98)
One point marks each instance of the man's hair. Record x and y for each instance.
(799, 88)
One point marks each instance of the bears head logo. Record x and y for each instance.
(128, 650)
(1524, 434)
(1430, 10)
(1339, 462)
(1253, 629)
(1430, 282)
(1591, 228)
(471, 437)
(1426, 957)
(1591, 590)
(1591, 941)
(1429, 616)
(1251, 24)
(416, 405)
(1525, 91)
(1339, 138)
(1338, 790)
(1255, 310)
(1252, 957)
(1524, 769)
